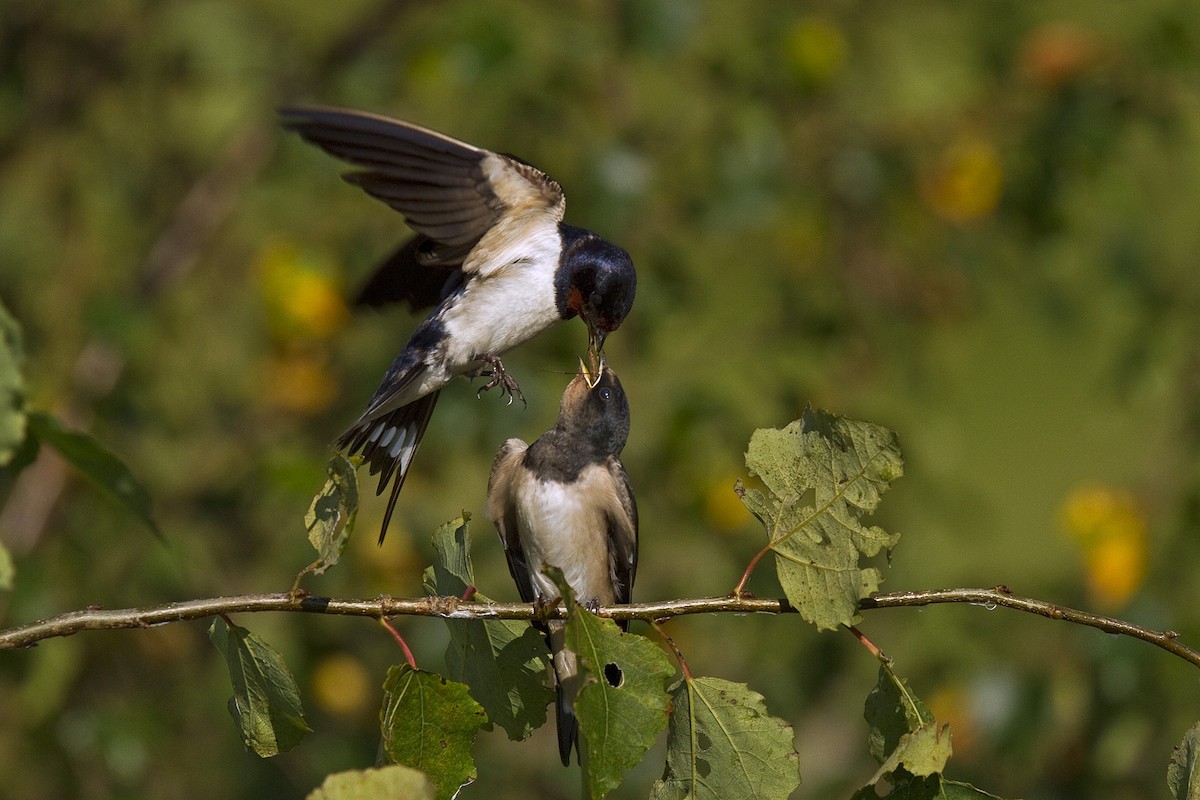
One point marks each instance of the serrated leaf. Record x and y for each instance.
(823, 475)
(103, 469)
(903, 733)
(394, 782)
(12, 387)
(502, 661)
(330, 517)
(623, 703)
(1183, 771)
(429, 723)
(265, 703)
(8, 570)
(722, 743)
(931, 787)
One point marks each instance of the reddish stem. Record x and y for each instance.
(683, 665)
(872, 648)
(412, 662)
(740, 589)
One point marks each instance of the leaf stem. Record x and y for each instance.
(683, 665)
(408, 656)
(872, 648)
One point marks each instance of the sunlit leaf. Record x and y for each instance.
(97, 464)
(722, 743)
(502, 661)
(429, 723)
(330, 518)
(903, 732)
(393, 782)
(265, 703)
(823, 474)
(1183, 772)
(12, 387)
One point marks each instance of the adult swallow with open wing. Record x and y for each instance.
(565, 501)
(492, 255)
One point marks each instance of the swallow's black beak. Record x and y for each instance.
(596, 339)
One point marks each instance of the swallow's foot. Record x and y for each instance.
(500, 377)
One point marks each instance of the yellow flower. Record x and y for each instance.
(302, 299)
(722, 506)
(816, 49)
(965, 182)
(1110, 527)
(300, 382)
(341, 686)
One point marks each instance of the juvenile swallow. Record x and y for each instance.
(565, 501)
(491, 254)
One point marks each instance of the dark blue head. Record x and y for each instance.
(596, 280)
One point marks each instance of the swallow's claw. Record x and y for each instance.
(500, 377)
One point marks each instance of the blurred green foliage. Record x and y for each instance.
(973, 223)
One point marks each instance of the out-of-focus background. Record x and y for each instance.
(975, 223)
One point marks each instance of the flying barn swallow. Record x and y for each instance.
(491, 254)
(565, 501)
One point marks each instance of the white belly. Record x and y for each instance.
(558, 530)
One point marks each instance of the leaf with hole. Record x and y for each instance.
(623, 702)
(330, 517)
(823, 474)
(722, 743)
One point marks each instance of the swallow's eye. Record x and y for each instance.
(594, 299)
(606, 393)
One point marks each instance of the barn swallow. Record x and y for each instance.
(491, 254)
(565, 501)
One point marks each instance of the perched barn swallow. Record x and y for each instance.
(491, 253)
(565, 501)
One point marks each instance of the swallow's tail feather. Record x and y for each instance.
(388, 444)
(568, 726)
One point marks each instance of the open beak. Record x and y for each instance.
(596, 339)
(591, 375)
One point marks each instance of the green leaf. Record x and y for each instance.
(502, 661)
(394, 782)
(12, 387)
(930, 787)
(7, 570)
(903, 732)
(823, 474)
(98, 465)
(429, 723)
(1183, 772)
(623, 703)
(265, 703)
(330, 518)
(722, 743)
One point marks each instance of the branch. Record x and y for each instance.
(458, 608)
(1002, 596)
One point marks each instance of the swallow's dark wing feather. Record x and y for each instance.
(450, 192)
(622, 535)
(502, 508)
(417, 273)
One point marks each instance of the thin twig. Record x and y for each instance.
(456, 608)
